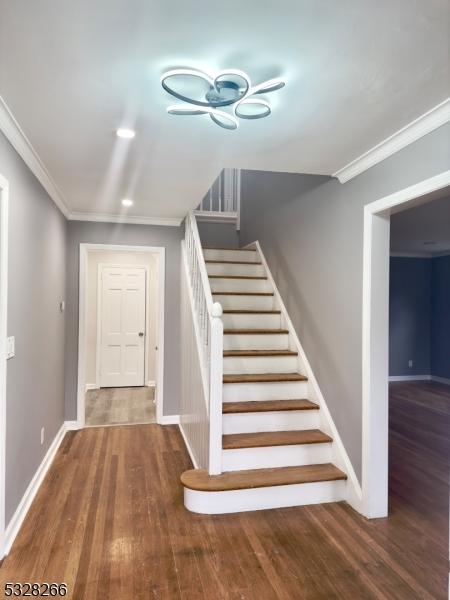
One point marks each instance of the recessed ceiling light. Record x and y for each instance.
(127, 202)
(125, 133)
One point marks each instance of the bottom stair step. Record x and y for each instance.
(200, 480)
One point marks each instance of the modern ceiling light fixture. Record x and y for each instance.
(206, 94)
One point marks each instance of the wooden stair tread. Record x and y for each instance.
(243, 294)
(254, 331)
(231, 262)
(255, 353)
(251, 312)
(267, 406)
(263, 377)
(234, 277)
(200, 480)
(234, 441)
(234, 249)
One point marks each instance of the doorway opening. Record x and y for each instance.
(121, 335)
(376, 261)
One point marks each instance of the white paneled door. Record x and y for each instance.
(122, 318)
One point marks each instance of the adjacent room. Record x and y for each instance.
(122, 329)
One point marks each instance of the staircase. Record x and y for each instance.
(277, 450)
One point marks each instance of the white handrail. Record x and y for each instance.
(209, 334)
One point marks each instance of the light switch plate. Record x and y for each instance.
(10, 347)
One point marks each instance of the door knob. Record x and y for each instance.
(141, 334)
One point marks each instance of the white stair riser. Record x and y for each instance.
(246, 302)
(240, 285)
(263, 364)
(288, 420)
(276, 456)
(248, 321)
(252, 269)
(242, 392)
(302, 494)
(261, 341)
(241, 255)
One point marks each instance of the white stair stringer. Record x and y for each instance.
(264, 342)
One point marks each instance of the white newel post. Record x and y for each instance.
(215, 394)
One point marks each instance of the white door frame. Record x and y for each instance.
(375, 336)
(85, 249)
(101, 266)
(4, 205)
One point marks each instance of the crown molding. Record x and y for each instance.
(14, 133)
(428, 122)
(125, 220)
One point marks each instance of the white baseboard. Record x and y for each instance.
(440, 379)
(420, 378)
(169, 420)
(17, 519)
(91, 386)
(188, 447)
(151, 383)
(72, 425)
(410, 378)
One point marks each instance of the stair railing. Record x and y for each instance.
(223, 201)
(207, 328)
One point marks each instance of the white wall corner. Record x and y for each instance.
(426, 123)
(91, 386)
(14, 133)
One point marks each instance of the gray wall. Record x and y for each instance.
(440, 317)
(135, 235)
(218, 234)
(410, 294)
(313, 240)
(36, 285)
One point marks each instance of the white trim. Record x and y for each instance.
(169, 420)
(375, 337)
(189, 449)
(128, 220)
(91, 386)
(426, 123)
(411, 255)
(84, 250)
(353, 488)
(409, 377)
(21, 511)
(100, 268)
(14, 133)
(4, 207)
(72, 425)
(206, 216)
(438, 379)
(435, 378)
(151, 383)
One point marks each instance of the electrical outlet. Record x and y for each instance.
(410, 363)
(42, 435)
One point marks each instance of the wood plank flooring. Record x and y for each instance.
(109, 520)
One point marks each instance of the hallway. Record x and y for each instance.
(109, 521)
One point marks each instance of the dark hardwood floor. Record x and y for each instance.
(109, 520)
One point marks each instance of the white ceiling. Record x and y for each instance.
(72, 71)
(413, 229)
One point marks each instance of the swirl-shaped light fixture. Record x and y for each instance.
(230, 88)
